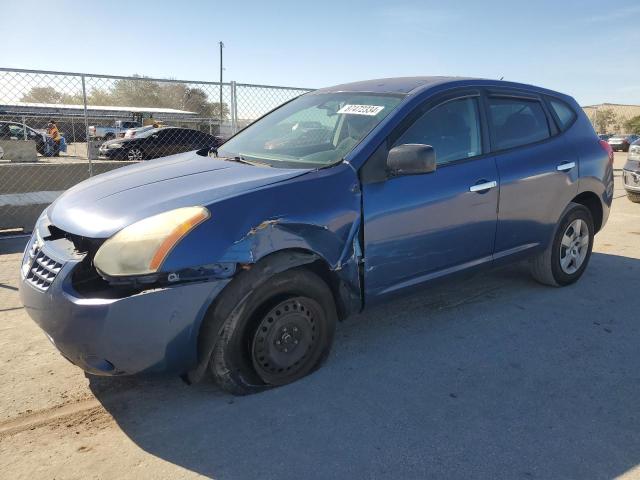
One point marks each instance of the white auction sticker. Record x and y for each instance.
(361, 109)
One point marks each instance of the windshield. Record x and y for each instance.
(312, 130)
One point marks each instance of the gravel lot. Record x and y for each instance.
(493, 377)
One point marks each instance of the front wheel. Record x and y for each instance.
(278, 334)
(135, 155)
(566, 258)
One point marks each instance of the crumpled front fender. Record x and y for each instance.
(317, 212)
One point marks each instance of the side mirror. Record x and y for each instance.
(411, 159)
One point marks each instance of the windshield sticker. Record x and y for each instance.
(370, 110)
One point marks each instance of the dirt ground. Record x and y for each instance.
(493, 377)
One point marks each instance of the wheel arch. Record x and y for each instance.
(250, 276)
(592, 202)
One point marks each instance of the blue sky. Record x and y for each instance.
(578, 47)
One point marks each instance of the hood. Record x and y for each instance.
(104, 204)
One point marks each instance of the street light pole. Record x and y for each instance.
(221, 113)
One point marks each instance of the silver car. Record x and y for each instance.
(622, 142)
(631, 173)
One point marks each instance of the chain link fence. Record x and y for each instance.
(102, 122)
(57, 129)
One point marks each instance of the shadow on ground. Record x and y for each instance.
(496, 377)
(13, 244)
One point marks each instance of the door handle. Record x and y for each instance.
(565, 167)
(479, 187)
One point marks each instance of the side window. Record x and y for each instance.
(516, 121)
(189, 137)
(201, 139)
(452, 129)
(16, 131)
(565, 113)
(179, 136)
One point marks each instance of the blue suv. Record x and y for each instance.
(238, 262)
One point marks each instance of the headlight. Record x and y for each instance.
(114, 145)
(140, 248)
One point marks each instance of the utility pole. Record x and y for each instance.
(221, 112)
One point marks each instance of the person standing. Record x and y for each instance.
(54, 134)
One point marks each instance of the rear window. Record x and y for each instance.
(564, 112)
(517, 121)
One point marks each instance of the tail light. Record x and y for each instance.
(607, 148)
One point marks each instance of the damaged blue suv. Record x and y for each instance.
(239, 262)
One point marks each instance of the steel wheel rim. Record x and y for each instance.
(574, 246)
(134, 154)
(286, 340)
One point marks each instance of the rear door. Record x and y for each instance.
(537, 166)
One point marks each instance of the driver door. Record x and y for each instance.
(421, 227)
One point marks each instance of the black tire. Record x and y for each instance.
(246, 359)
(546, 267)
(634, 197)
(109, 136)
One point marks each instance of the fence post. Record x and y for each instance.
(234, 108)
(86, 125)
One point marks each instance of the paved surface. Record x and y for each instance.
(494, 377)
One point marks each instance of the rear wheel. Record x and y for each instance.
(634, 197)
(280, 333)
(566, 258)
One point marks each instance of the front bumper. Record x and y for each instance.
(155, 330)
(112, 153)
(631, 180)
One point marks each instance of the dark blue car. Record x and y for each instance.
(240, 262)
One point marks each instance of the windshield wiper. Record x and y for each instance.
(213, 152)
(241, 159)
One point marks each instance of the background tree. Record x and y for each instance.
(135, 93)
(633, 125)
(604, 119)
(138, 92)
(42, 95)
(50, 95)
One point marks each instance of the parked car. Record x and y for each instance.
(621, 142)
(631, 172)
(241, 265)
(99, 132)
(157, 142)
(20, 131)
(605, 136)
